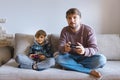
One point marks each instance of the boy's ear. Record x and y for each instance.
(46, 38)
(35, 38)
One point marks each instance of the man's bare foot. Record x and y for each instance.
(95, 73)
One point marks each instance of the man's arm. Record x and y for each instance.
(62, 41)
(92, 47)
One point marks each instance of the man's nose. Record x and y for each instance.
(72, 19)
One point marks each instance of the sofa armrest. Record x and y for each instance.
(5, 54)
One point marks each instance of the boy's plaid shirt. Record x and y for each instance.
(41, 49)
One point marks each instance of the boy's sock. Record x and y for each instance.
(19, 66)
(34, 66)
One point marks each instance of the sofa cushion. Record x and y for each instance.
(22, 43)
(54, 40)
(9, 71)
(109, 45)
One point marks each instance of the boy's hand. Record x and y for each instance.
(42, 57)
(32, 56)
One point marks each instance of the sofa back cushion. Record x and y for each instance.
(54, 40)
(22, 43)
(109, 45)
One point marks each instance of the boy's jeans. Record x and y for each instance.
(26, 62)
(81, 63)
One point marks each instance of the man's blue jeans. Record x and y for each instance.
(81, 63)
(26, 63)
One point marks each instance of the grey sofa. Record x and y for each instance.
(109, 45)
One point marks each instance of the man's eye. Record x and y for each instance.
(69, 18)
(74, 17)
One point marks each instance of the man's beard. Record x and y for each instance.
(73, 27)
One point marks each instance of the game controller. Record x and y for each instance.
(73, 45)
(38, 57)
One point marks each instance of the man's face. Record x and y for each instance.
(40, 39)
(73, 20)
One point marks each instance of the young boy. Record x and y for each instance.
(40, 54)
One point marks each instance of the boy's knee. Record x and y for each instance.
(19, 57)
(52, 61)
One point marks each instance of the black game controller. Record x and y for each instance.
(73, 45)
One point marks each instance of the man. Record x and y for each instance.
(78, 46)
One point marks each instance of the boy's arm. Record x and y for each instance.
(30, 53)
(49, 50)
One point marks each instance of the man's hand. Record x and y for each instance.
(67, 47)
(79, 49)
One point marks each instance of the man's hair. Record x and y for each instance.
(73, 11)
(40, 32)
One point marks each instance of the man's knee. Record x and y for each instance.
(60, 59)
(100, 61)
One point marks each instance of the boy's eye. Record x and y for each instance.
(42, 37)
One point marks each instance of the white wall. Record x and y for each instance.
(27, 16)
(110, 16)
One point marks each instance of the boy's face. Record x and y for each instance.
(40, 39)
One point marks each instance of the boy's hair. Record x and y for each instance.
(73, 11)
(40, 32)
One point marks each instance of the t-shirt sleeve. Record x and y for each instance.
(62, 41)
(92, 47)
